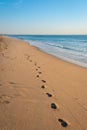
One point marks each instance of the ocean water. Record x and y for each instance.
(71, 48)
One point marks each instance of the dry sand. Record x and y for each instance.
(27, 102)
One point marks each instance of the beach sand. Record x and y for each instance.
(39, 91)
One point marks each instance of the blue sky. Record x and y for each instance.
(43, 16)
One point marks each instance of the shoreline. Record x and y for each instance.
(39, 91)
(72, 61)
(67, 61)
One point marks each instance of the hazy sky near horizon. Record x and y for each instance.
(43, 16)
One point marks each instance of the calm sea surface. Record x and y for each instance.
(71, 48)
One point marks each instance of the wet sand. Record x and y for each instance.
(39, 91)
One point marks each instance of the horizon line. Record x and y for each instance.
(41, 34)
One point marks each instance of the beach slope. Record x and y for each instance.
(39, 91)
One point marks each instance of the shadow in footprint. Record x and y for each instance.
(43, 81)
(38, 66)
(6, 102)
(2, 101)
(30, 60)
(40, 72)
(63, 123)
(36, 69)
(53, 106)
(12, 83)
(49, 95)
(37, 76)
(43, 86)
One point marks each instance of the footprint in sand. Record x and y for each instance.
(43, 81)
(12, 83)
(6, 102)
(0, 84)
(38, 66)
(30, 60)
(43, 86)
(40, 72)
(2, 54)
(36, 69)
(35, 64)
(28, 57)
(53, 106)
(49, 95)
(38, 76)
(63, 123)
(2, 69)
(3, 100)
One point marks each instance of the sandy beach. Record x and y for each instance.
(39, 91)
